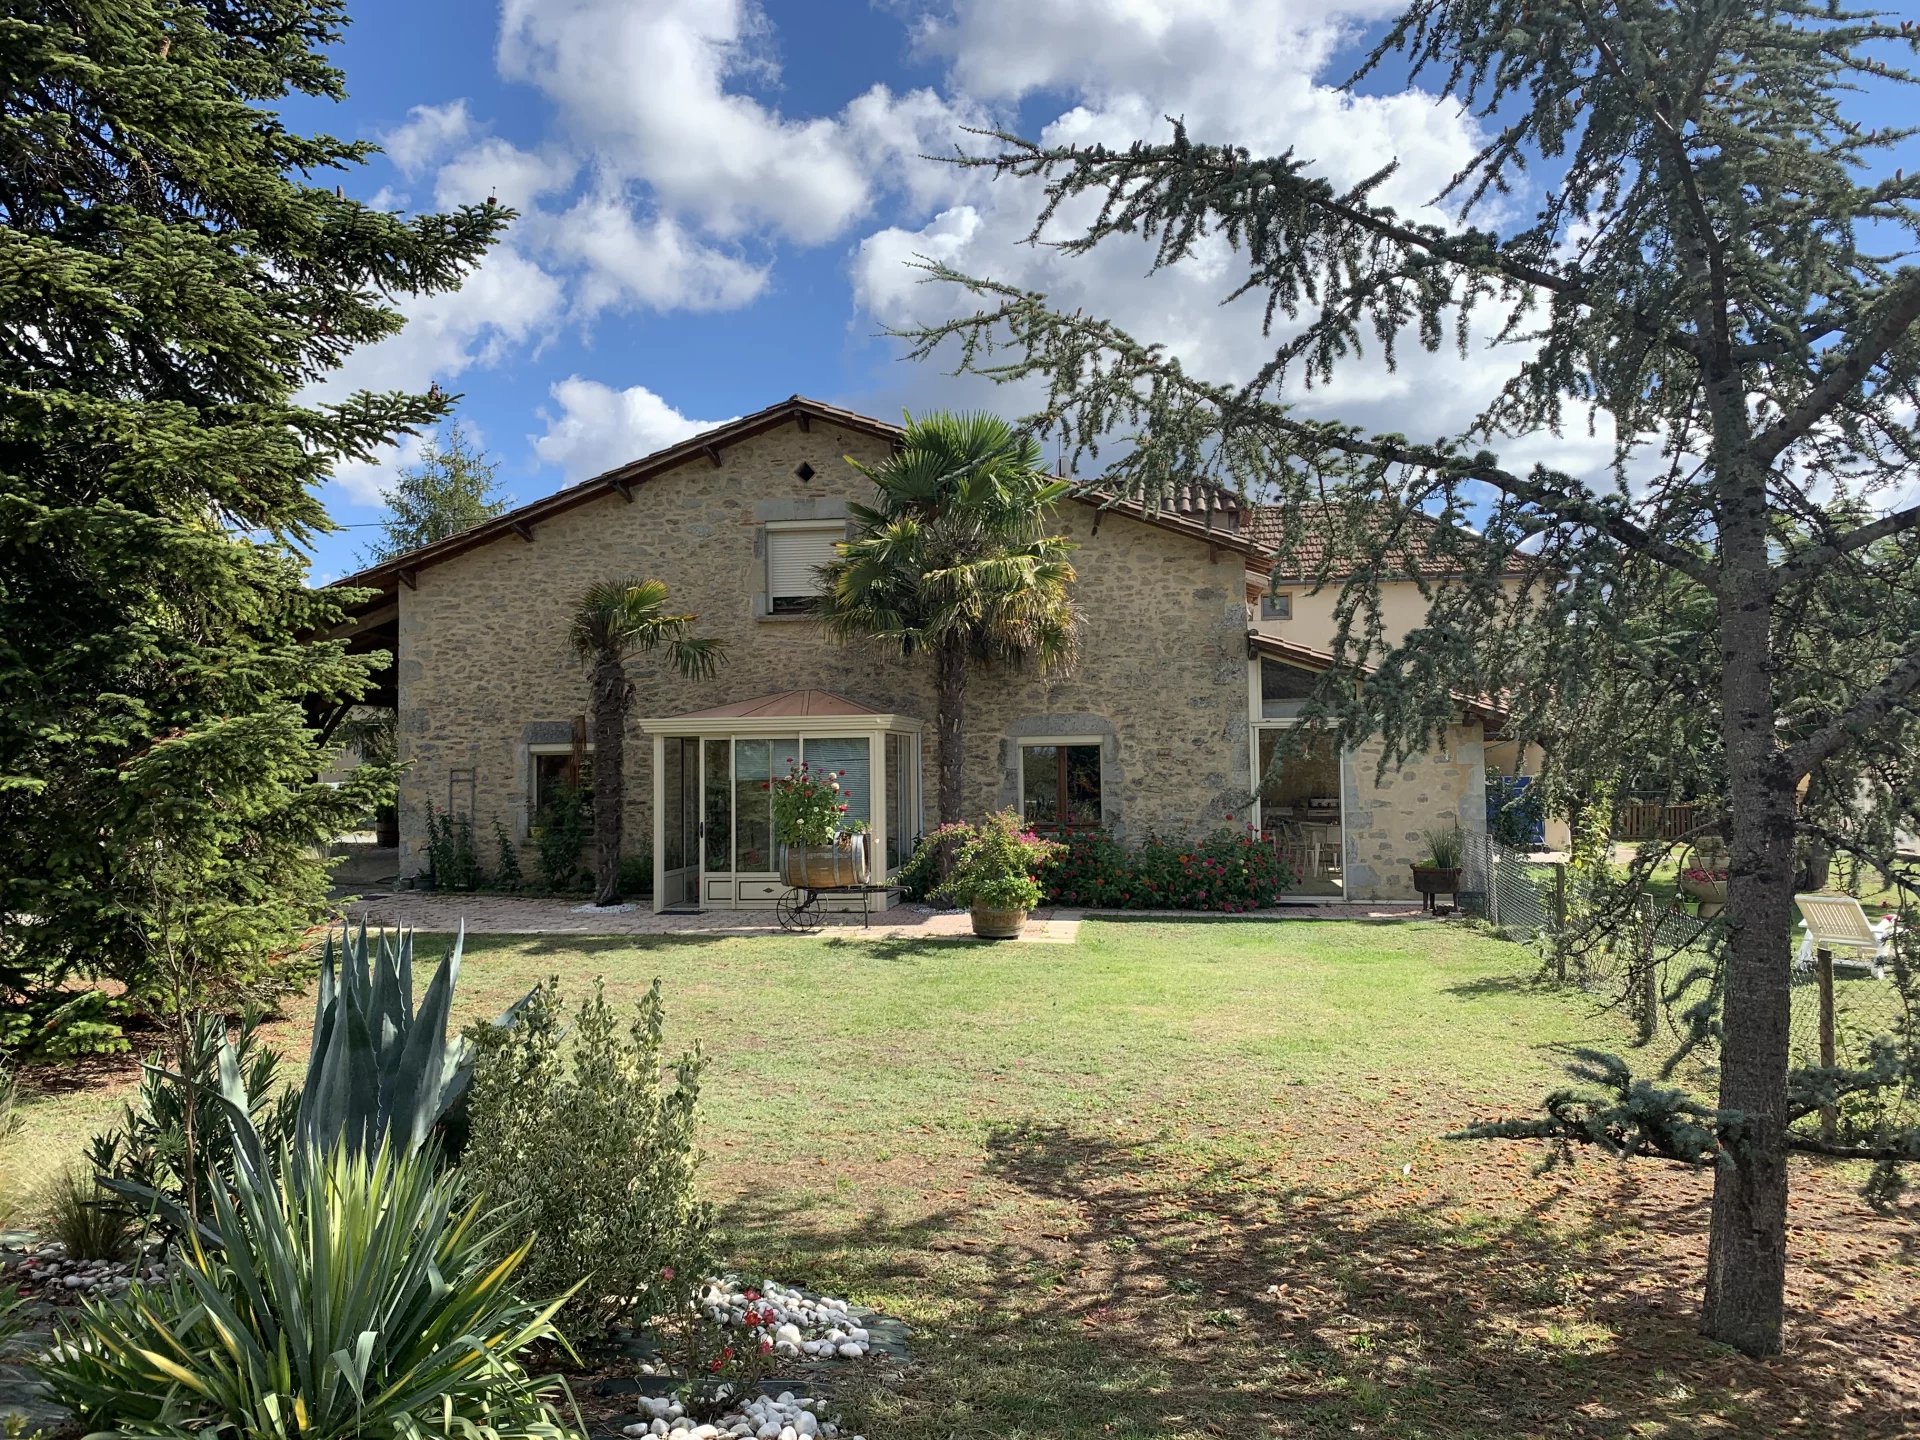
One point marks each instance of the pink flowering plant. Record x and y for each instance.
(809, 806)
(995, 864)
(1231, 871)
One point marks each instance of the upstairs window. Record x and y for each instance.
(795, 554)
(1276, 607)
(1060, 784)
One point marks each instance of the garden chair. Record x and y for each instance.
(1843, 925)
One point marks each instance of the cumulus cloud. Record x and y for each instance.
(652, 263)
(654, 89)
(598, 427)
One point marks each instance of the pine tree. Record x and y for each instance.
(1714, 267)
(449, 489)
(173, 277)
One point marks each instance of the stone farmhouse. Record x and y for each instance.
(1191, 668)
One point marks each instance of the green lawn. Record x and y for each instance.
(1186, 1180)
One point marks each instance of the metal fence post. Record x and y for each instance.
(1560, 920)
(1649, 988)
(1829, 1117)
(1493, 884)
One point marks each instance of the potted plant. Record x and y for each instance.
(1703, 876)
(819, 847)
(993, 875)
(1439, 872)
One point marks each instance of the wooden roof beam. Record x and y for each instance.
(712, 452)
(524, 529)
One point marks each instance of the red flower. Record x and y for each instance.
(666, 1272)
(715, 1364)
(753, 1295)
(766, 1346)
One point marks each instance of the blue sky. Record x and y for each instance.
(719, 198)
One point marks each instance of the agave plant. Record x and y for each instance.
(353, 1294)
(379, 1069)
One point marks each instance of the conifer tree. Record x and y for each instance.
(177, 267)
(450, 488)
(1719, 264)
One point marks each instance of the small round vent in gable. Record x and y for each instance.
(804, 471)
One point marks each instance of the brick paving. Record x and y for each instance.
(549, 915)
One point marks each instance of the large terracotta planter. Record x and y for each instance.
(821, 867)
(998, 924)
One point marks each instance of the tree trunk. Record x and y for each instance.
(1747, 1252)
(950, 706)
(609, 776)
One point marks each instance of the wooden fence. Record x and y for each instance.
(1651, 820)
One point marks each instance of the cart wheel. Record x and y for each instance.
(799, 910)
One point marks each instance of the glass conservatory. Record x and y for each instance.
(714, 845)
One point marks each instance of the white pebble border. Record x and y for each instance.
(764, 1417)
(820, 1327)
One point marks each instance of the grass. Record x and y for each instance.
(1186, 1180)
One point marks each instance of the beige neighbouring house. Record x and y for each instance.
(1181, 690)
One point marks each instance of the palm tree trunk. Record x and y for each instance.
(950, 714)
(609, 700)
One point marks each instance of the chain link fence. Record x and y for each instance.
(1660, 964)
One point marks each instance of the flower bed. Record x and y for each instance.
(1229, 871)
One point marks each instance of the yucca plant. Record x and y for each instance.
(354, 1293)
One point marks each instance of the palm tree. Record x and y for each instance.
(954, 560)
(613, 619)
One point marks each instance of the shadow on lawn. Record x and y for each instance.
(1156, 1295)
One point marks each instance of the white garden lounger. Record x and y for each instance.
(1836, 922)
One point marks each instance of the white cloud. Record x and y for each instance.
(360, 482)
(430, 133)
(650, 86)
(654, 264)
(599, 427)
(499, 169)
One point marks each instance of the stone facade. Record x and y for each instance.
(1386, 816)
(486, 677)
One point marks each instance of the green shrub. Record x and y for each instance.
(452, 861)
(13, 1316)
(920, 876)
(636, 872)
(506, 859)
(85, 1218)
(578, 1127)
(147, 1153)
(994, 864)
(352, 1295)
(1230, 871)
(564, 822)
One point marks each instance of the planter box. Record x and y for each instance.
(820, 867)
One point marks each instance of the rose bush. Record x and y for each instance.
(1230, 871)
(809, 806)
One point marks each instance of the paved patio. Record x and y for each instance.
(550, 915)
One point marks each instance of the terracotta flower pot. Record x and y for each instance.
(998, 924)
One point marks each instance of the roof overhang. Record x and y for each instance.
(1491, 715)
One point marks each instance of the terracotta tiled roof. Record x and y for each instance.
(787, 702)
(1413, 552)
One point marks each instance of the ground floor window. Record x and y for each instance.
(1060, 784)
(556, 768)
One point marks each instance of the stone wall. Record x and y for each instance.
(1387, 816)
(486, 675)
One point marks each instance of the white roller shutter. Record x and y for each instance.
(793, 558)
